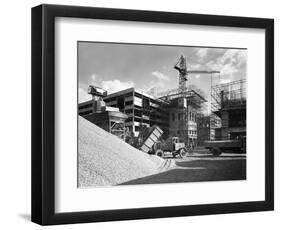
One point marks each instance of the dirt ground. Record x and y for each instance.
(200, 167)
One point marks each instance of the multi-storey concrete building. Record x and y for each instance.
(143, 110)
(175, 115)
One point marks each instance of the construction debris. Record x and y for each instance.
(106, 160)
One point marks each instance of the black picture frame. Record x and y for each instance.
(43, 114)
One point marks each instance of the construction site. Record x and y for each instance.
(147, 137)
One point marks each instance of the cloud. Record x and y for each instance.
(116, 85)
(153, 91)
(230, 63)
(93, 77)
(83, 95)
(153, 88)
(160, 76)
(234, 56)
(225, 81)
(158, 85)
(194, 66)
(202, 52)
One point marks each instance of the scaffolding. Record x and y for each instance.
(228, 95)
(228, 102)
(184, 106)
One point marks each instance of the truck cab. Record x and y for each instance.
(177, 144)
(172, 145)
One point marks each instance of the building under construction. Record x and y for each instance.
(96, 111)
(174, 111)
(229, 103)
(142, 110)
(208, 128)
(184, 104)
(183, 109)
(136, 110)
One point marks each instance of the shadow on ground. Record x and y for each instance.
(25, 216)
(195, 170)
(223, 156)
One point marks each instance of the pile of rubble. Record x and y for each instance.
(104, 159)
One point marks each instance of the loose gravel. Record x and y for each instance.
(105, 160)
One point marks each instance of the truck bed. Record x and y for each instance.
(223, 144)
(153, 136)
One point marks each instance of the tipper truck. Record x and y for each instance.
(151, 144)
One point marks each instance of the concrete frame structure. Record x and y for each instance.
(229, 103)
(144, 110)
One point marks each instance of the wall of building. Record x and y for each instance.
(208, 128)
(86, 108)
(203, 129)
(233, 126)
(142, 110)
(183, 125)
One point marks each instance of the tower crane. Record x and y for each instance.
(181, 67)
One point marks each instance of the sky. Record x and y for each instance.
(117, 66)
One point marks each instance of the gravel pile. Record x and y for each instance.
(105, 160)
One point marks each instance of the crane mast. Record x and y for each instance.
(181, 67)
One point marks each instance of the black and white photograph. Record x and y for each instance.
(142, 114)
(153, 114)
